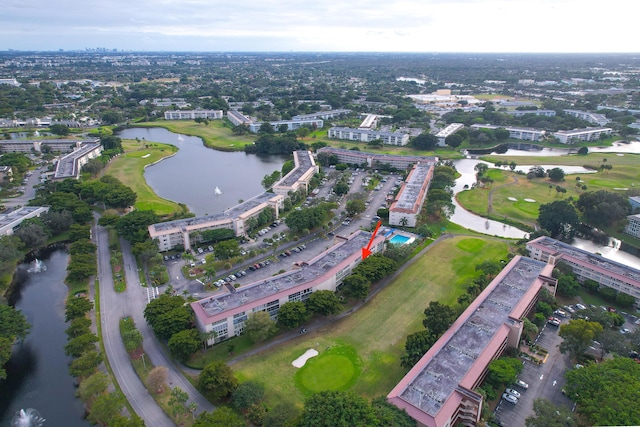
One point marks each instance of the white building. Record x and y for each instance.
(10, 222)
(519, 113)
(324, 115)
(291, 124)
(193, 114)
(70, 166)
(375, 160)
(237, 118)
(633, 227)
(300, 176)
(405, 209)
(595, 118)
(449, 130)
(365, 135)
(525, 134)
(585, 134)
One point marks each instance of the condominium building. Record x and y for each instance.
(237, 118)
(440, 390)
(449, 130)
(180, 232)
(374, 160)
(633, 226)
(225, 312)
(300, 176)
(634, 201)
(70, 165)
(193, 114)
(519, 113)
(291, 124)
(525, 134)
(324, 115)
(368, 135)
(405, 209)
(53, 145)
(586, 265)
(10, 221)
(595, 118)
(585, 134)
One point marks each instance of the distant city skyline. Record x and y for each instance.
(546, 26)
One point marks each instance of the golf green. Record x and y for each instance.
(334, 369)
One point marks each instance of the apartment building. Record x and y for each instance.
(449, 130)
(368, 135)
(375, 160)
(594, 118)
(10, 221)
(193, 114)
(405, 209)
(586, 265)
(519, 113)
(633, 226)
(525, 134)
(584, 134)
(324, 115)
(237, 118)
(226, 311)
(70, 165)
(439, 391)
(300, 176)
(291, 124)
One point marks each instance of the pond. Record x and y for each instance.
(527, 149)
(206, 180)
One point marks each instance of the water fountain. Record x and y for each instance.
(38, 267)
(27, 418)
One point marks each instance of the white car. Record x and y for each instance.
(513, 392)
(510, 398)
(522, 384)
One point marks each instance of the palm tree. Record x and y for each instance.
(404, 221)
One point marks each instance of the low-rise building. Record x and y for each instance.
(405, 209)
(300, 176)
(10, 221)
(449, 130)
(633, 226)
(36, 146)
(586, 265)
(193, 114)
(584, 134)
(70, 165)
(374, 160)
(634, 201)
(324, 115)
(519, 113)
(368, 135)
(440, 390)
(525, 134)
(225, 312)
(180, 232)
(595, 118)
(291, 124)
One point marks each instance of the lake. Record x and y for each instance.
(37, 374)
(192, 175)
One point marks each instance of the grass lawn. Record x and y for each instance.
(377, 331)
(217, 134)
(129, 169)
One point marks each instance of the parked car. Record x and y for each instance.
(510, 398)
(554, 321)
(513, 392)
(581, 307)
(522, 384)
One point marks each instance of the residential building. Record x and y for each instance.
(525, 134)
(405, 209)
(595, 118)
(226, 312)
(585, 134)
(300, 176)
(449, 130)
(182, 232)
(370, 122)
(237, 118)
(366, 135)
(586, 265)
(10, 221)
(375, 160)
(324, 115)
(444, 98)
(634, 201)
(168, 102)
(52, 145)
(193, 114)
(546, 113)
(10, 82)
(440, 390)
(633, 226)
(70, 165)
(291, 124)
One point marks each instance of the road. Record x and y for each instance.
(113, 307)
(29, 192)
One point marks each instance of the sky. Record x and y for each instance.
(321, 25)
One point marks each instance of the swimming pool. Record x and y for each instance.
(399, 239)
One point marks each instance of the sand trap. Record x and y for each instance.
(145, 156)
(619, 154)
(530, 200)
(513, 199)
(300, 361)
(621, 189)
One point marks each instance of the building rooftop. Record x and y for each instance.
(440, 377)
(583, 130)
(410, 192)
(11, 217)
(307, 272)
(596, 261)
(305, 162)
(67, 165)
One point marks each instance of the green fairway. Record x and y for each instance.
(129, 169)
(377, 331)
(336, 368)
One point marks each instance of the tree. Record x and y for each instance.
(425, 141)
(568, 286)
(606, 393)
(283, 414)
(60, 130)
(177, 401)
(269, 180)
(157, 379)
(292, 314)
(78, 326)
(416, 346)
(612, 342)
(375, 267)
(549, 415)
(556, 174)
(559, 218)
(220, 417)
(603, 208)
(324, 302)
(32, 235)
(161, 306)
(489, 268)
(529, 328)
(227, 249)
(259, 326)
(438, 318)
(77, 346)
(247, 393)
(184, 343)
(355, 207)
(390, 415)
(93, 386)
(503, 371)
(454, 140)
(134, 225)
(14, 324)
(578, 335)
(106, 407)
(77, 307)
(356, 286)
(337, 409)
(85, 365)
(217, 380)
(174, 321)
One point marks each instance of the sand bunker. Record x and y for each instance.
(146, 155)
(530, 200)
(513, 199)
(300, 361)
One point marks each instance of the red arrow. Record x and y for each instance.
(365, 251)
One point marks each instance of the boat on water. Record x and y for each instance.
(217, 191)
